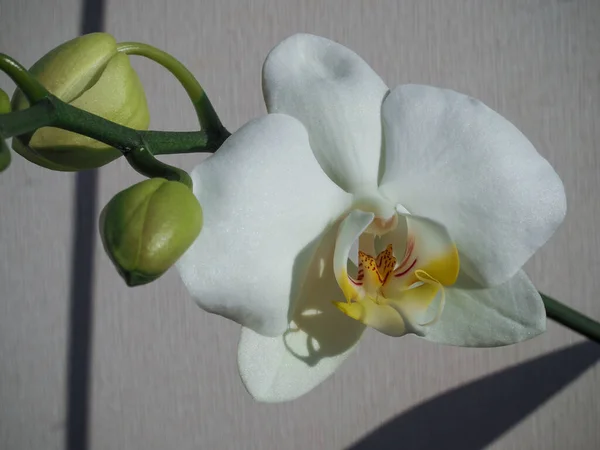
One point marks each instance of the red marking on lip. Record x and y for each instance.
(404, 272)
(354, 282)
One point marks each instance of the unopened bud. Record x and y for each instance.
(88, 73)
(147, 227)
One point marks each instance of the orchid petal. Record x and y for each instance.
(452, 159)
(318, 340)
(266, 204)
(501, 315)
(381, 317)
(338, 97)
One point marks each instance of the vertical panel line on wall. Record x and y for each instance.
(81, 314)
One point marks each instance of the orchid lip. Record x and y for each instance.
(393, 290)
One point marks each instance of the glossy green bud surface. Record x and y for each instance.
(147, 227)
(4, 150)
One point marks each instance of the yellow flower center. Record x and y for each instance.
(395, 295)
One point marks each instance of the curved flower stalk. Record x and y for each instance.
(351, 205)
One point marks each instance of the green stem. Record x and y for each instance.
(135, 145)
(572, 319)
(31, 87)
(53, 112)
(209, 120)
(126, 139)
(145, 163)
(27, 120)
(176, 142)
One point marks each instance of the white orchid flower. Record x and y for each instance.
(418, 178)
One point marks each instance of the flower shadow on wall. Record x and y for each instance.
(489, 407)
(318, 330)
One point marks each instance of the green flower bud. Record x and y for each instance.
(88, 73)
(4, 150)
(4, 102)
(147, 227)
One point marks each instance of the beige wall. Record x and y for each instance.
(164, 372)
